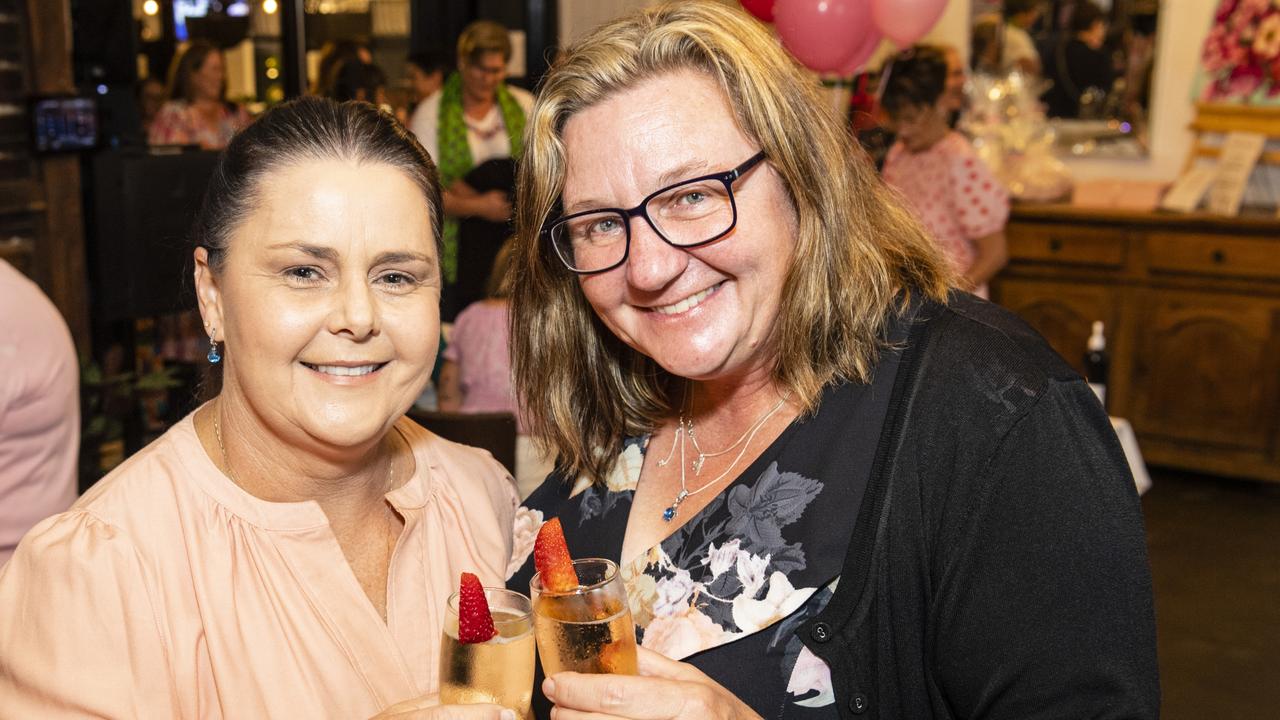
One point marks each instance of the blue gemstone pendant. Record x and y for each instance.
(670, 513)
(213, 355)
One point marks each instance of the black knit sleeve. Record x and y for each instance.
(1043, 606)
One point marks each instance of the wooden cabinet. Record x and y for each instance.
(1192, 309)
(1063, 312)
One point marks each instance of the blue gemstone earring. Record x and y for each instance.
(213, 356)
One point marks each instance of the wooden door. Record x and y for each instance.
(1208, 370)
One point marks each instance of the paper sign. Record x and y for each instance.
(1186, 193)
(1240, 153)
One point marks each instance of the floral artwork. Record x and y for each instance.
(1241, 56)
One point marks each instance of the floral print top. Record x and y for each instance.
(726, 590)
(178, 123)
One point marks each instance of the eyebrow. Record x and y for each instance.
(315, 251)
(684, 171)
(331, 255)
(393, 257)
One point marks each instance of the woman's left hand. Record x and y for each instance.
(664, 690)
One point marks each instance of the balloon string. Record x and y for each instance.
(884, 80)
(887, 73)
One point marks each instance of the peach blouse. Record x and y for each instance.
(168, 591)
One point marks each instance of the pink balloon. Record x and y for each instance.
(823, 34)
(906, 21)
(862, 54)
(762, 9)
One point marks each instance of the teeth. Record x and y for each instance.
(688, 303)
(343, 370)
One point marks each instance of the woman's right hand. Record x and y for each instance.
(428, 707)
(665, 689)
(494, 206)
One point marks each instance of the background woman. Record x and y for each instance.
(955, 195)
(287, 549)
(197, 112)
(476, 117)
(832, 485)
(476, 374)
(1079, 68)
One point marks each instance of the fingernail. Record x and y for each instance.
(508, 714)
(549, 688)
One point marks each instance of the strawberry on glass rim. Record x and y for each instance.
(475, 622)
(581, 618)
(552, 560)
(487, 648)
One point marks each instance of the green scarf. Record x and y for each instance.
(455, 152)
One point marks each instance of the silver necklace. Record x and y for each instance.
(702, 454)
(685, 429)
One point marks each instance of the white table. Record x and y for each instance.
(1129, 443)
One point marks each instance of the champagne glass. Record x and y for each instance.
(499, 670)
(587, 629)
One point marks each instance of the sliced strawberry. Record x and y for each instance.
(551, 557)
(618, 659)
(475, 622)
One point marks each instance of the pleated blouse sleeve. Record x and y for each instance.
(468, 523)
(79, 635)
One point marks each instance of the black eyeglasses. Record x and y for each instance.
(687, 214)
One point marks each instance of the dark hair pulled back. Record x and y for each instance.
(301, 130)
(916, 77)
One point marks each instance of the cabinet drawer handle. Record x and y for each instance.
(1218, 257)
(1055, 244)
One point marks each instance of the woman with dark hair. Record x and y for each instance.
(197, 112)
(1081, 72)
(951, 190)
(832, 485)
(288, 548)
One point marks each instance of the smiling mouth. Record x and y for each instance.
(346, 370)
(688, 303)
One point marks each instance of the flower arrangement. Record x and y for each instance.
(1241, 55)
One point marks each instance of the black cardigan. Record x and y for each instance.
(998, 567)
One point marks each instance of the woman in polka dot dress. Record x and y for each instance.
(952, 191)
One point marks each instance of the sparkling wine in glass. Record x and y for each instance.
(499, 670)
(587, 629)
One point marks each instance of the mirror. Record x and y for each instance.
(1090, 62)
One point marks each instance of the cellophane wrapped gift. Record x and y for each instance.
(1010, 133)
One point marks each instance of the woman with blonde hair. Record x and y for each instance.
(474, 119)
(197, 112)
(833, 485)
